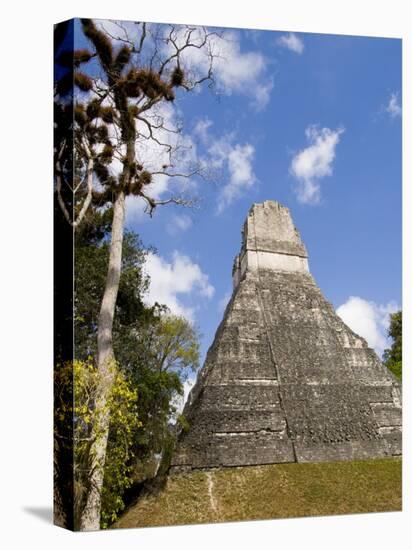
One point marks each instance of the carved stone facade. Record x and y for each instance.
(285, 379)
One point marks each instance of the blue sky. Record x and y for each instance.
(312, 121)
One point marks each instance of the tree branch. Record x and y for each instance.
(153, 203)
(89, 178)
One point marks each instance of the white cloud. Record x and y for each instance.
(237, 160)
(181, 400)
(314, 162)
(171, 280)
(201, 129)
(136, 209)
(393, 107)
(232, 161)
(179, 224)
(262, 95)
(164, 148)
(291, 42)
(369, 320)
(241, 172)
(153, 154)
(234, 70)
(119, 30)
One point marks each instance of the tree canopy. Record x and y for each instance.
(393, 356)
(155, 353)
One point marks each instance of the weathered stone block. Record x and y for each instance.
(285, 379)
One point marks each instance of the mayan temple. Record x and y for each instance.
(285, 380)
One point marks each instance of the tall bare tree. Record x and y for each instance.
(122, 81)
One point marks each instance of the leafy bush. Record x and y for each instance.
(82, 415)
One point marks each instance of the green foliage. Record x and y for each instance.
(393, 357)
(184, 423)
(155, 351)
(91, 260)
(84, 414)
(158, 365)
(396, 368)
(176, 345)
(158, 356)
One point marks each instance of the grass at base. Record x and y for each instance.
(273, 491)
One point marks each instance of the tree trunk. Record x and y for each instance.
(90, 518)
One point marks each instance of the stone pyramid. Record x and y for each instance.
(285, 379)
